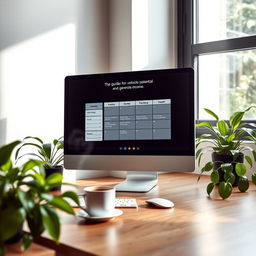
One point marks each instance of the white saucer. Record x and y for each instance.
(85, 215)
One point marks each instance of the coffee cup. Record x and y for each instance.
(99, 200)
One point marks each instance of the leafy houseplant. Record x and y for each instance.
(252, 137)
(225, 141)
(50, 153)
(24, 196)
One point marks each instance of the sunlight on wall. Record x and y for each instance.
(32, 82)
(140, 34)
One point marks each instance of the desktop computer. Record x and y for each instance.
(140, 121)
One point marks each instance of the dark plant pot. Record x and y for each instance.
(219, 159)
(49, 171)
(16, 238)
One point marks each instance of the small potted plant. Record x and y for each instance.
(50, 153)
(226, 143)
(252, 137)
(25, 197)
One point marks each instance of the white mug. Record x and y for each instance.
(99, 200)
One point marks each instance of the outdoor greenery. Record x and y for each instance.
(226, 138)
(51, 154)
(24, 196)
(241, 21)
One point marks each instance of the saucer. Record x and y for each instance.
(85, 215)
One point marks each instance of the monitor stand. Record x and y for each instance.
(138, 182)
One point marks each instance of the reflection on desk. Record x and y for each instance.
(197, 225)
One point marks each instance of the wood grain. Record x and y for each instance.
(33, 250)
(197, 225)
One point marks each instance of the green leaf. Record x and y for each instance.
(254, 155)
(72, 195)
(32, 184)
(60, 145)
(225, 189)
(55, 142)
(198, 152)
(42, 170)
(240, 169)
(204, 124)
(199, 159)
(253, 106)
(231, 137)
(215, 177)
(249, 160)
(2, 249)
(230, 177)
(198, 178)
(254, 178)
(25, 200)
(30, 164)
(235, 154)
(7, 166)
(35, 221)
(12, 174)
(11, 221)
(62, 204)
(243, 184)
(47, 197)
(40, 179)
(47, 150)
(3, 188)
(227, 167)
(54, 178)
(6, 151)
(26, 241)
(51, 222)
(210, 188)
(208, 166)
(26, 144)
(223, 127)
(34, 138)
(211, 113)
(235, 119)
(30, 154)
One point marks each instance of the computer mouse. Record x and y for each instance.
(160, 202)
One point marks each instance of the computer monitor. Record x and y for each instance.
(141, 122)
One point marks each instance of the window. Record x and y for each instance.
(218, 39)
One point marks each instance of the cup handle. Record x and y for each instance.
(83, 208)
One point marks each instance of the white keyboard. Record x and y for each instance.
(119, 202)
(126, 203)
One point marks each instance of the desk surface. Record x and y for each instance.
(198, 225)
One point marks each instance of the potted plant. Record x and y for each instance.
(50, 153)
(225, 142)
(24, 196)
(252, 137)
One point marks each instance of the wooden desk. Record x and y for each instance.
(196, 226)
(33, 250)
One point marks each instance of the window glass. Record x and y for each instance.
(227, 83)
(223, 19)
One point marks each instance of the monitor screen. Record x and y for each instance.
(142, 113)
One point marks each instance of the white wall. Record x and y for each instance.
(142, 36)
(42, 41)
(154, 36)
(92, 38)
(120, 35)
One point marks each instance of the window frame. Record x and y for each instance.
(189, 50)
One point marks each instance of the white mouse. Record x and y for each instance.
(160, 202)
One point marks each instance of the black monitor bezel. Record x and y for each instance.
(189, 151)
